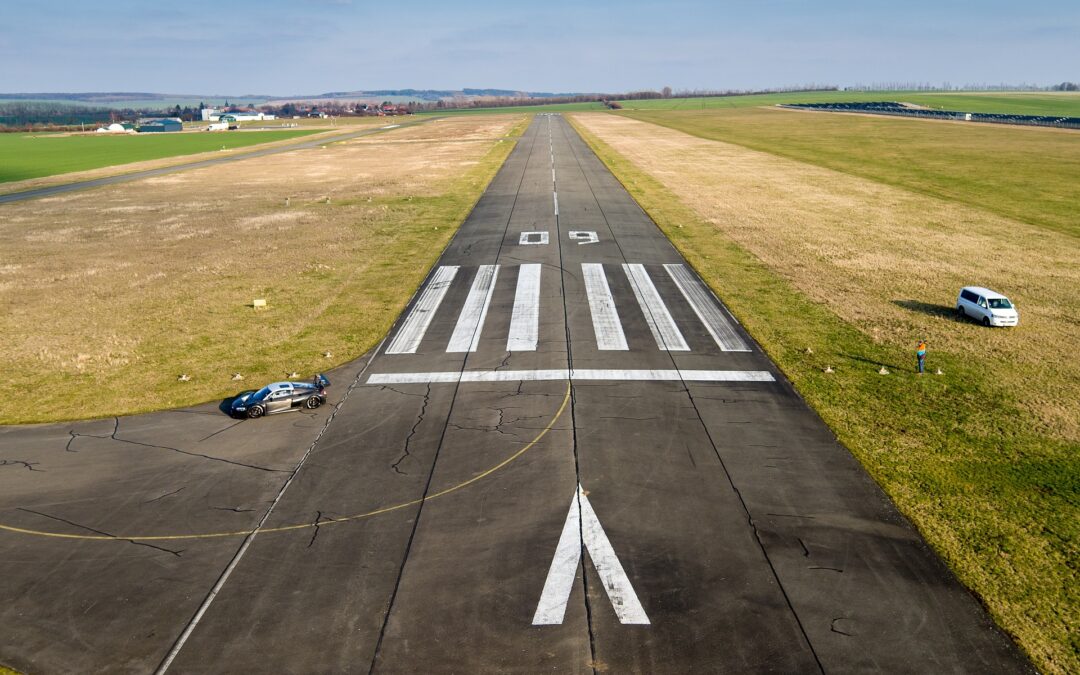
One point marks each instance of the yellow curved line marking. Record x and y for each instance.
(303, 526)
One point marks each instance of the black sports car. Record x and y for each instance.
(281, 397)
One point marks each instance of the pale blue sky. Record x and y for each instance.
(288, 47)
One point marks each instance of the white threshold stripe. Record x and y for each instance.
(605, 318)
(665, 332)
(707, 307)
(582, 529)
(416, 324)
(525, 319)
(577, 375)
(470, 323)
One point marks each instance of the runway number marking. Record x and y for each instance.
(533, 239)
(584, 237)
(582, 530)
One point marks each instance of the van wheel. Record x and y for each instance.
(986, 321)
(960, 313)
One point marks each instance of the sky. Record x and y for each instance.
(307, 47)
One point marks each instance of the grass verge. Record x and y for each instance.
(1022, 173)
(108, 295)
(987, 487)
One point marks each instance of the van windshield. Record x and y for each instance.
(1000, 303)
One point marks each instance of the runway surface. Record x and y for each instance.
(566, 456)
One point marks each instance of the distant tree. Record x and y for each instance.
(666, 92)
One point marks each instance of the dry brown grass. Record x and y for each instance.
(982, 460)
(884, 259)
(107, 295)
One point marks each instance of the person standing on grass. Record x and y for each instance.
(920, 353)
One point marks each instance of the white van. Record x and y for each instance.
(983, 304)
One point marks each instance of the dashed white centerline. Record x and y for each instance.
(662, 326)
(525, 319)
(556, 196)
(605, 317)
(416, 324)
(470, 323)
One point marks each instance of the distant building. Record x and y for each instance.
(210, 115)
(160, 125)
(251, 116)
(115, 128)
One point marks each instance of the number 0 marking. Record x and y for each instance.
(584, 237)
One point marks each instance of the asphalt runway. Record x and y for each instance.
(566, 456)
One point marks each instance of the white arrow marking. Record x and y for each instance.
(583, 529)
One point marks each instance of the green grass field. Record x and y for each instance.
(1026, 174)
(33, 155)
(991, 485)
(519, 109)
(1020, 103)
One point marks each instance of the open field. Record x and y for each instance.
(983, 458)
(108, 295)
(1023, 173)
(322, 124)
(31, 155)
(519, 109)
(1066, 104)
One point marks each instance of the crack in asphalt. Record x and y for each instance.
(319, 520)
(235, 509)
(74, 435)
(398, 391)
(806, 551)
(496, 428)
(29, 466)
(167, 494)
(408, 439)
(505, 361)
(102, 532)
(116, 429)
(220, 431)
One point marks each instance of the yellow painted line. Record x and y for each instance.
(304, 526)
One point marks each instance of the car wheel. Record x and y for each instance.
(312, 403)
(986, 321)
(255, 412)
(960, 313)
